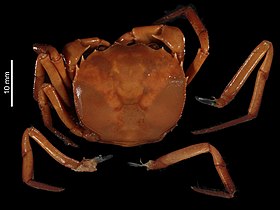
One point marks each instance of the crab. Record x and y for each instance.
(130, 93)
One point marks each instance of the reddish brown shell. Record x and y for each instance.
(130, 95)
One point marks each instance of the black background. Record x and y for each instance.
(234, 30)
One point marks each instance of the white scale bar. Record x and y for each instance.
(12, 83)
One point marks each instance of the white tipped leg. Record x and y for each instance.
(89, 165)
(207, 101)
(100, 158)
(141, 164)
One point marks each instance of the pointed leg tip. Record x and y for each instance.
(211, 102)
(141, 164)
(43, 186)
(100, 158)
(72, 144)
(135, 164)
(213, 192)
(198, 132)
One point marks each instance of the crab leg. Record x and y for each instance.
(265, 48)
(47, 119)
(200, 30)
(172, 37)
(192, 151)
(48, 92)
(74, 51)
(86, 165)
(50, 61)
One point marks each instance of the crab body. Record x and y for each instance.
(129, 95)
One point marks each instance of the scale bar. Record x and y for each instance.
(12, 83)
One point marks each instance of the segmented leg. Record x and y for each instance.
(50, 61)
(192, 151)
(172, 37)
(74, 51)
(86, 165)
(265, 48)
(200, 30)
(49, 94)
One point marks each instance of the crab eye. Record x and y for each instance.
(101, 48)
(132, 42)
(154, 46)
(159, 45)
(91, 50)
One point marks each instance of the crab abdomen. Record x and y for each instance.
(129, 95)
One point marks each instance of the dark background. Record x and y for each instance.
(234, 30)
